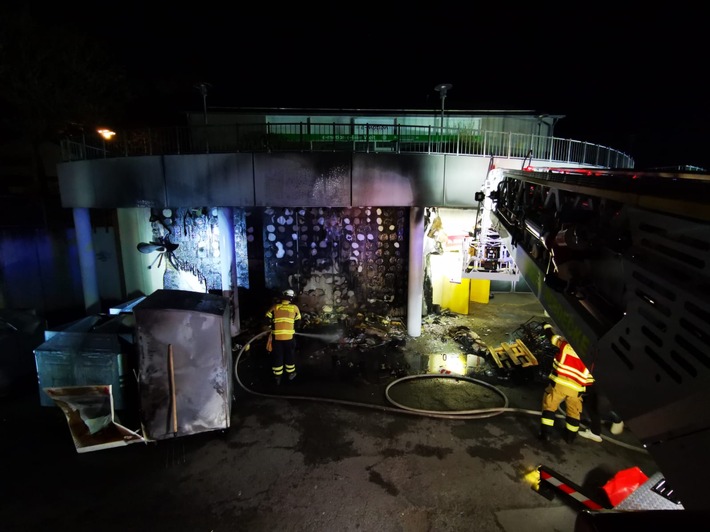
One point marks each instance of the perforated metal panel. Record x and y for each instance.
(643, 325)
(662, 345)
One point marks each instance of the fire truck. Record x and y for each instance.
(620, 259)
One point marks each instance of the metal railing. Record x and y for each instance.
(363, 138)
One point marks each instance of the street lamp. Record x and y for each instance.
(202, 87)
(442, 89)
(105, 134)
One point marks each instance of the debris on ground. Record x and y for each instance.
(469, 340)
(377, 347)
(512, 355)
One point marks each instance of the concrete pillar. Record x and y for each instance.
(415, 288)
(225, 221)
(134, 227)
(87, 260)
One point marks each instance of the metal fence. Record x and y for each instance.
(364, 138)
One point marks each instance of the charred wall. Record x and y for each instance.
(341, 260)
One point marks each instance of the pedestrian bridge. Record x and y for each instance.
(305, 164)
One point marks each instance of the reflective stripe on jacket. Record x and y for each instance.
(567, 368)
(283, 317)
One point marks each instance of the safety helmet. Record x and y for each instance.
(289, 293)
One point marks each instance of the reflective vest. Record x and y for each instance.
(283, 317)
(567, 368)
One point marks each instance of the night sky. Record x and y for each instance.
(628, 79)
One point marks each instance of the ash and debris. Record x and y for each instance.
(377, 348)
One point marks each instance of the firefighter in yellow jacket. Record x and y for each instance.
(569, 379)
(283, 319)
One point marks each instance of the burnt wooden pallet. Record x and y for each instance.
(511, 355)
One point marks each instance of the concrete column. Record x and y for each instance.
(134, 227)
(87, 260)
(225, 221)
(415, 288)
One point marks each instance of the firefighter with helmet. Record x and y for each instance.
(569, 379)
(283, 317)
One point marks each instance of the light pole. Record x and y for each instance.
(442, 89)
(105, 134)
(202, 87)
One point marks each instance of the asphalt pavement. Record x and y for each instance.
(329, 451)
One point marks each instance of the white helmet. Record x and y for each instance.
(289, 293)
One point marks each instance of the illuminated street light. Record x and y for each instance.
(442, 89)
(107, 134)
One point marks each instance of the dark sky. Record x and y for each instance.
(625, 78)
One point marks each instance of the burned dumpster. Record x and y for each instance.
(185, 363)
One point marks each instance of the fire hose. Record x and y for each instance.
(478, 413)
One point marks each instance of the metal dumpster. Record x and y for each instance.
(185, 360)
(89, 351)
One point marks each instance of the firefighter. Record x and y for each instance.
(283, 318)
(569, 379)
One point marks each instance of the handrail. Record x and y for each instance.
(334, 137)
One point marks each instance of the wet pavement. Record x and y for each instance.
(363, 439)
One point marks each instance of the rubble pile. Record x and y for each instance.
(376, 347)
(469, 340)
